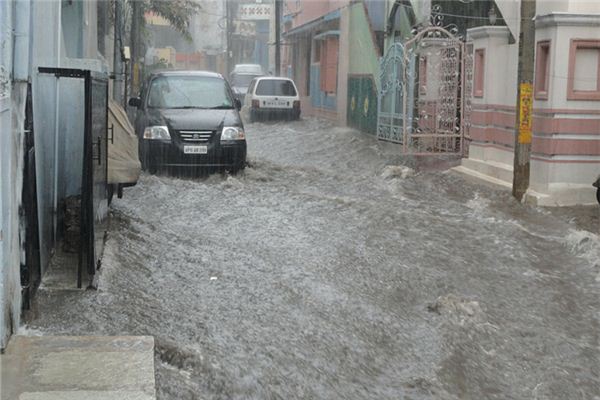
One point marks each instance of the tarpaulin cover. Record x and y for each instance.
(123, 159)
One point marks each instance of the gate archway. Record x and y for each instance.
(422, 98)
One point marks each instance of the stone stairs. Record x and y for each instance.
(78, 368)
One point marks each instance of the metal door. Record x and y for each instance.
(390, 112)
(94, 196)
(30, 240)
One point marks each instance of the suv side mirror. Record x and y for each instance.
(135, 102)
(238, 104)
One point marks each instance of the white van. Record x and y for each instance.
(270, 97)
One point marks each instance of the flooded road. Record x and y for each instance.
(335, 268)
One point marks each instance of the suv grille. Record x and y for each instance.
(196, 136)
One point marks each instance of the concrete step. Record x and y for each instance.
(78, 367)
(478, 175)
(490, 171)
(493, 169)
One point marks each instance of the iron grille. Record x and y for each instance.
(196, 136)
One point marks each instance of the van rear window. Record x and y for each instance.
(275, 87)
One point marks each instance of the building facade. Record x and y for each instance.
(332, 50)
(315, 54)
(565, 157)
(36, 34)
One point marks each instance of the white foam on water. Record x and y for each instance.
(585, 245)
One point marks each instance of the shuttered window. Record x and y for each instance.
(329, 64)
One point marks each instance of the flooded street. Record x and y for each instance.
(333, 267)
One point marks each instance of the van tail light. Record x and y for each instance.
(296, 103)
(255, 104)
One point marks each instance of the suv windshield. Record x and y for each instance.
(242, 80)
(275, 87)
(189, 92)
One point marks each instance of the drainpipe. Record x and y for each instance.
(56, 121)
(21, 40)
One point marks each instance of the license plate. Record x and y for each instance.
(195, 149)
(276, 103)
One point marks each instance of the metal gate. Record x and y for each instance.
(424, 91)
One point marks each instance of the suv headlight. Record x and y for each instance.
(232, 133)
(157, 133)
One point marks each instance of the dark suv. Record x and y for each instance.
(187, 120)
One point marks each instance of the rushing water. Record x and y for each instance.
(335, 268)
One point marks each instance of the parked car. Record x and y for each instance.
(252, 69)
(240, 82)
(271, 97)
(187, 120)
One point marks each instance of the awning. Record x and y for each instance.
(323, 35)
(314, 23)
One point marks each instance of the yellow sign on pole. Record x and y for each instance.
(525, 113)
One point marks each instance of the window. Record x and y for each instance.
(329, 64)
(542, 70)
(275, 87)
(479, 73)
(584, 70)
(316, 52)
(251, 86)
(189, 92)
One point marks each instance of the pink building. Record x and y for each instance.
(565, 157)
(315, 54)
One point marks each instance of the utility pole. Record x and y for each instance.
(524, 117)
(277, 37)
(118, 94)
(229, 16)
(136, 45)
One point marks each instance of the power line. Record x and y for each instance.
(468, 16)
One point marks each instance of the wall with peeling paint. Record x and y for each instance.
(50, 33)
(12, 108)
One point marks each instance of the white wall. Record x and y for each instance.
(9, 228)
(501, 64)
(511, 11)
(544, 7)
(47, 48)
(12, 107)
(560, 37)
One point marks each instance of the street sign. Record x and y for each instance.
(525, 113)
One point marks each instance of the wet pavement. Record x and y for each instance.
(336, 268)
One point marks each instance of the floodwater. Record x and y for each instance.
(335, 268)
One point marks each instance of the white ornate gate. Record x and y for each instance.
(424, 100)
